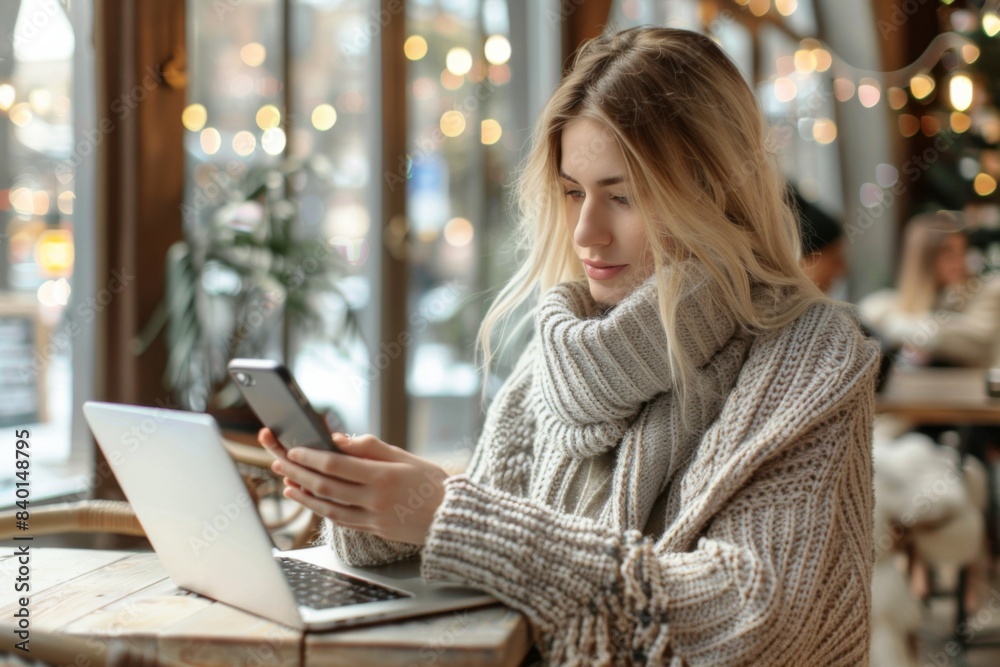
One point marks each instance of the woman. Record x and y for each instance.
(940, 313)
(679, 466)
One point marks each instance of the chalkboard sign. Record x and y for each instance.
(22, 371)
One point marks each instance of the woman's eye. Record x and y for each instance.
(575, 194)
(621, 200)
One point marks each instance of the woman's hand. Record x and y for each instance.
(372, 486)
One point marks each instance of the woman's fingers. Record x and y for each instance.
(347, 466)
(351, 517)
(323, 486)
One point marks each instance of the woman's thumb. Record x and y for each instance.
(368, 446)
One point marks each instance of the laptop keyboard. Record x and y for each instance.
(321, 588)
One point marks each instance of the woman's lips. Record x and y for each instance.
(595, 272)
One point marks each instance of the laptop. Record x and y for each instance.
(192, 502)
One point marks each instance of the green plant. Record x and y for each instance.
(244, 279)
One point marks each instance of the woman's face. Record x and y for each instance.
(607, 231)
(949, 263)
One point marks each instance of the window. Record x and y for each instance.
(462, 150)
(249, 111)
(461, 155)
(47, 299)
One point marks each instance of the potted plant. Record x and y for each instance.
(244, 277)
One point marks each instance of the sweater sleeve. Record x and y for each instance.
(505, 466)
(359, 549)
(780, 576)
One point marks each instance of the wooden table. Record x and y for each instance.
(88, 604)
(927, 396)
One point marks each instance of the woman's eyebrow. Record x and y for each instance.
(611, 180)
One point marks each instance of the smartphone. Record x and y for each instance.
(276, 399)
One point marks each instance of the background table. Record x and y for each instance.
(94, 602)
(928, 396)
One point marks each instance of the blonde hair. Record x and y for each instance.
(694, 144)
(923, 238)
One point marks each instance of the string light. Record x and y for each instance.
(868, 92)
(843, 89)
(991, 24)
(960, 92)
(921, 85)
(897, 98)
(960, 122)
(984, 185)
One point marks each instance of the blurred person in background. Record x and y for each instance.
(940, 313)
(824, 246)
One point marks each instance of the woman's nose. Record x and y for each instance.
(591, 229)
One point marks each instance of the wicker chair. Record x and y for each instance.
(117, 516)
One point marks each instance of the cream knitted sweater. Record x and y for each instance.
(625, 537)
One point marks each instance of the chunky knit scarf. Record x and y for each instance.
(605, 380)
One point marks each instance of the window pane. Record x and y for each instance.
(39, 161)
(333, 125)
(462, 153)
(279, 170)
